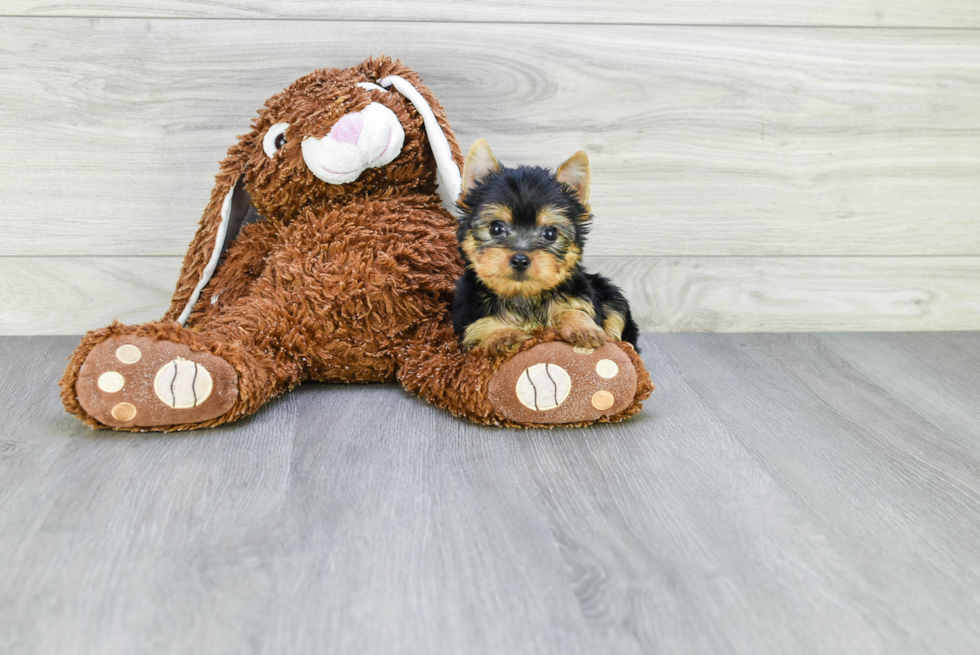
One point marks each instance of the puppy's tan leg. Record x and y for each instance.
(574, 319)
(497, 335)
(579, 329)
(614, 325)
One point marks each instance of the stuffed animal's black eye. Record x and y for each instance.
(274, 139)
(496, 228)
(549, 233)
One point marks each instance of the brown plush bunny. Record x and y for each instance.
(325, 254)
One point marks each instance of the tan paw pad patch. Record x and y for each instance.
(128, 353)
(606, 368)
(124, 412)
(603, 400)
(111, 382)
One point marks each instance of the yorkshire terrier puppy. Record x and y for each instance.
(521, 232)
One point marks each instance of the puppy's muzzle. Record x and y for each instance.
(520, 262)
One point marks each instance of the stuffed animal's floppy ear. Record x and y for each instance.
(442, 141)
(479, 163)
(575, 174)
(229, 209)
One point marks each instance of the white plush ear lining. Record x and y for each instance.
(219, 240)
(441, 151)
(371, 86)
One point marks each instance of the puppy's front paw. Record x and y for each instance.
(503, 342)
(583, 336)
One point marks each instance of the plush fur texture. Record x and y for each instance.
(336, 283)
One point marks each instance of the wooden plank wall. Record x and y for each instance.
(757, 166)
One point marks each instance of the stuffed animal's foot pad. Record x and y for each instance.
(130, 381)
(555, 383)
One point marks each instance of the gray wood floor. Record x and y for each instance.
(791, 493)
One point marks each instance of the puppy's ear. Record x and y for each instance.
(479, 163)
(574, 173)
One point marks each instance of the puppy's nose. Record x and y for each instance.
(520, 261)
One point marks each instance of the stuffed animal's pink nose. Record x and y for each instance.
(348, 128)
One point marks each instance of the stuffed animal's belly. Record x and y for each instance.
(339, 295)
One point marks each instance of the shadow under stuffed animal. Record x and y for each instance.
(325, 254)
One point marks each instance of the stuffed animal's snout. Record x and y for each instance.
(360, 140)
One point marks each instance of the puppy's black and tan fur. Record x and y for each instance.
(521, 232)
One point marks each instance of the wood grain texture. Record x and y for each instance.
(852, 13)
(775, 496)
(841, 447)
(70, 295)
(886, 360)
(55, 295)
(798, 294)
(704, 141)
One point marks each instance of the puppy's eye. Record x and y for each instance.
(549, 233)
(496, 228)
(274, 139)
